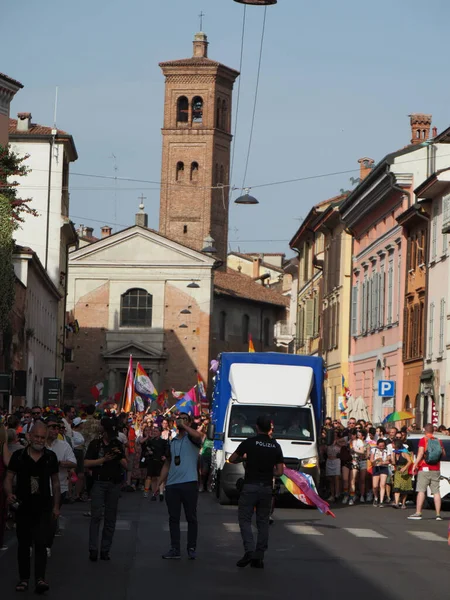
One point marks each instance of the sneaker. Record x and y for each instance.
(161, 497)
(369, 496)
(145, 494)
(172, 554)
(41, 587)
(105, 556)
(351, 502)
(245, 560)
(330, 499)
(415, 517)
(154, 498)
(271, 521)
(345, 499)
(381, 505)
(362, 500)
(49, 552)
(375, 503)
(257, 563)
(3, 548)
(192, 554)
(388, 500)
(396, 505)
(439, 518)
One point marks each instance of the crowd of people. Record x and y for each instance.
(52, 456)
(362, 463)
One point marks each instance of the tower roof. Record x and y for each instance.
(199, 59)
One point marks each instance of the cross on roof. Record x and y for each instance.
(201, 15)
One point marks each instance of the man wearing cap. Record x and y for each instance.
(263, 460)
(66, 461)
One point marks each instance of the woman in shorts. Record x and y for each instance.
(333, 468)
(401, 463)
(381, 460)
(358, 450)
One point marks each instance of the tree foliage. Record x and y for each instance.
(12, 165)
(7, 278)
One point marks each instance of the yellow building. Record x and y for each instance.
(324, 294)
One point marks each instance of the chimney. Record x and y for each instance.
(141, 217)
(89, 232)
(420, 127)
(106, 231)
(434, 132)
(256, 266)
(81, 231)
(200, 45)
(365, 166)
(23, 121)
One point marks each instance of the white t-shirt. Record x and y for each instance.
(63, 453)
(78, 440)
(69, 431)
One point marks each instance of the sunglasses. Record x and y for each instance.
(36, 414)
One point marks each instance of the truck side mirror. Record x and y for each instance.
(211, 432)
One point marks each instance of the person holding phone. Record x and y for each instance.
(180, 474)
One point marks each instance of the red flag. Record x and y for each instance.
(251, 347)
(160, 400)
(129, 388)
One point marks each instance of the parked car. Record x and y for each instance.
(413, 440)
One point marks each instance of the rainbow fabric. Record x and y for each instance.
(304, 490)
(144, 384)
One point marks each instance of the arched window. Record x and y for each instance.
(266, 332)
(218, 113)
(216, 174)
(225, 115)
(222, 174)
(182, 110)
(180, 171)
(194, 172)
(136, 308)
(245, 328)
(222, 326)
(197, 110)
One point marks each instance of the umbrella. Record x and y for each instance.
(357, 409)
(398, 415)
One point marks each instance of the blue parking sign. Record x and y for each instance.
(386, 389)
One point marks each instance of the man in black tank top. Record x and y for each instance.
(263, 460)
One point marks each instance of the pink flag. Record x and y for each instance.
(301, 481)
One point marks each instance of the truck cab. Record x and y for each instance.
(279, 385)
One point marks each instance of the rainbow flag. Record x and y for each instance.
(143, 384)
(251, 347)
(188, 404)
(202, 393)
(304, 490)
(129, 391)
(178, 395)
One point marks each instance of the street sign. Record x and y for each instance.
(52, 387)
(388, 402)
(386, 389)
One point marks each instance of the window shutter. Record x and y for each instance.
(337, 250)
(430, 331)
(336, 343)
(355, 310)
(363, 308)
(415, 329)
(369, 303)
(309, 319)
(375, 304)
(405, 333)
(390, 290)
(382, 297)
(441, 326)
(316, 316)
(434, 232)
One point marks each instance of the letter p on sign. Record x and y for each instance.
(386, 389)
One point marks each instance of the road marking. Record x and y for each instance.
(123, 525)
(232, 527)
(302, 529)
(183, 526)
(364, 533)
(427, 536)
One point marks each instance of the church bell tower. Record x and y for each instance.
(196, 149)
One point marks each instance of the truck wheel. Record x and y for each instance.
(223, 498)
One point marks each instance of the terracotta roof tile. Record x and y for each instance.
(234, 284)
(35, 129)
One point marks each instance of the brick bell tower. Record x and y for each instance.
(196, 149)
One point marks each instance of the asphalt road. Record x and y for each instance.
(365, 552)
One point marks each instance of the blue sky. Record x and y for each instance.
(337, 83)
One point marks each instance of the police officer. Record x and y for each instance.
(263, 460)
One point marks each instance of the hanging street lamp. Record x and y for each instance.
(257, 2)
(246, 198)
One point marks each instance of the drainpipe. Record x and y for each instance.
(49, 191)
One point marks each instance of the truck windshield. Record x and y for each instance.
(290, 422)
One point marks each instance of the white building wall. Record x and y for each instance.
(32, 233)
(41, 316)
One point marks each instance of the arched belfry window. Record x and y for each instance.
(194, 171)
(136, 308)
(182, 110)
(225, 115)
(216, 174)
(179, 171)
(222, 174)
(218, 113)
(197, 110)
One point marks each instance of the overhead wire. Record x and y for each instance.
(255, 102)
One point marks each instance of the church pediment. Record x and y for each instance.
(138, 351)
(139, 246)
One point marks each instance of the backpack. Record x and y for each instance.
(433, 451)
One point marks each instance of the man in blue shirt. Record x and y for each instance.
(181, 472)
